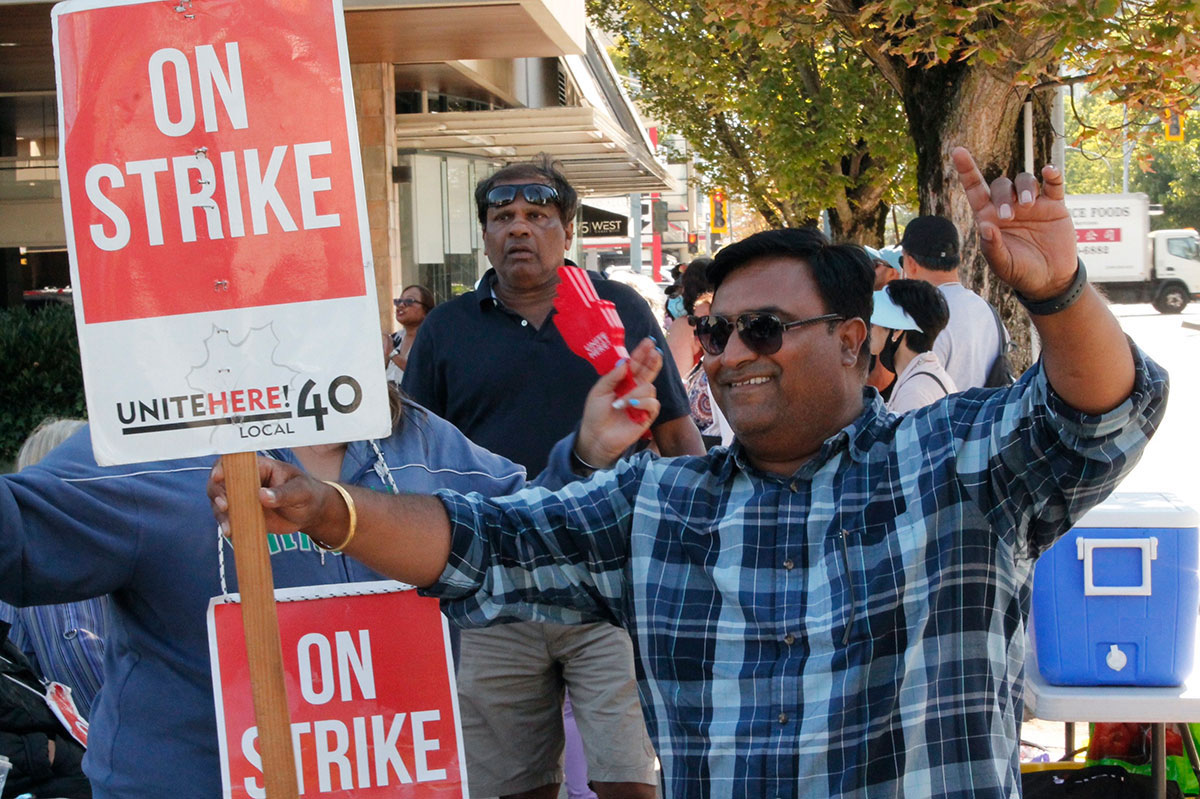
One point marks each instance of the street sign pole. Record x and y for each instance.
(635, 231)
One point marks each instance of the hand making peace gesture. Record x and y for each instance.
(1025, 230)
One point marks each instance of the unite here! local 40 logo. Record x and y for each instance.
(216, 225)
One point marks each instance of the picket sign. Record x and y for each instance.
(220, 255)
(216, 226)
(372, 699)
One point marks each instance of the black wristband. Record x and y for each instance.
(1061, 302)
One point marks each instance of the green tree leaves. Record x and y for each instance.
(791, 125)
(1169, 172)
(40, 373)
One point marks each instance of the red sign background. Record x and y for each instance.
(1088, 235)
(294, 95)
(343, 738)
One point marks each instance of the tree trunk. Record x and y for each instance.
(980, 109)
(865, 225)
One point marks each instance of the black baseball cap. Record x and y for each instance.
(933, 237)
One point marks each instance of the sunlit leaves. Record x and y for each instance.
(791, 125)
(1167, 171)
(1147, 51)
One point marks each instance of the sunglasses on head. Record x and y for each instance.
(407, 302)
(534, 194)
(761, 332)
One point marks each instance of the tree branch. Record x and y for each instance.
(891, 68)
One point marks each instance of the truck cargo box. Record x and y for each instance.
(1112, 231)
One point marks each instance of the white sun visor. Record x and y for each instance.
(890, 315)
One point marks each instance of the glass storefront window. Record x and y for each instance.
(441, 247)
(28, 148)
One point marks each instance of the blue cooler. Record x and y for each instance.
(1115, 599)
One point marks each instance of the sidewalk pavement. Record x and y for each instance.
(1047, 739)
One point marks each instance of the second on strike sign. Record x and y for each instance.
(215, 216)
(370, 690)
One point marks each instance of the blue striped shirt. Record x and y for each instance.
(65, 642)
(856, 629)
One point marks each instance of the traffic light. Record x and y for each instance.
(658, 216)
(1173, 126)
(693, 243)
(718, 219)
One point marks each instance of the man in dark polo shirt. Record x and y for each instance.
(493, 363)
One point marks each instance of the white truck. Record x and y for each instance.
(1129, 262)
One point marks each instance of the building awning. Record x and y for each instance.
(416, 31)
(595, 153)
(395, 31)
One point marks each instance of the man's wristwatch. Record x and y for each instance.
(1062, 301)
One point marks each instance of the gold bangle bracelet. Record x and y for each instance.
(353, 519)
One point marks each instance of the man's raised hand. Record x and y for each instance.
(607, 430)
(1025, 229)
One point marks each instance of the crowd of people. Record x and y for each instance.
(814, 571)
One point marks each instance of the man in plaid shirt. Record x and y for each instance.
(835, 605)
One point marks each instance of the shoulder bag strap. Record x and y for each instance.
(999, 329)
(935, 379)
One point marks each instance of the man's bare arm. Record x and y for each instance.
(407, 537)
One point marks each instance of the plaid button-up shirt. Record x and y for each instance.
(854, 630)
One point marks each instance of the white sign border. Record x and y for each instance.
(104, 456)
(322, 592)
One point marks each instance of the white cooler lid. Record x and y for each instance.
(1133, 510)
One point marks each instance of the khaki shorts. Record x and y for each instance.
(510, 688)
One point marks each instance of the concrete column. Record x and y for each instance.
(375, 102)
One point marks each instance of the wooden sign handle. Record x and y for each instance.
(261, 623)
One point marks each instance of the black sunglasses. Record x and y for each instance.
(407, 302)
(534, 194)
(761, 332)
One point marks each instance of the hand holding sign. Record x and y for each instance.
(592, 329)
